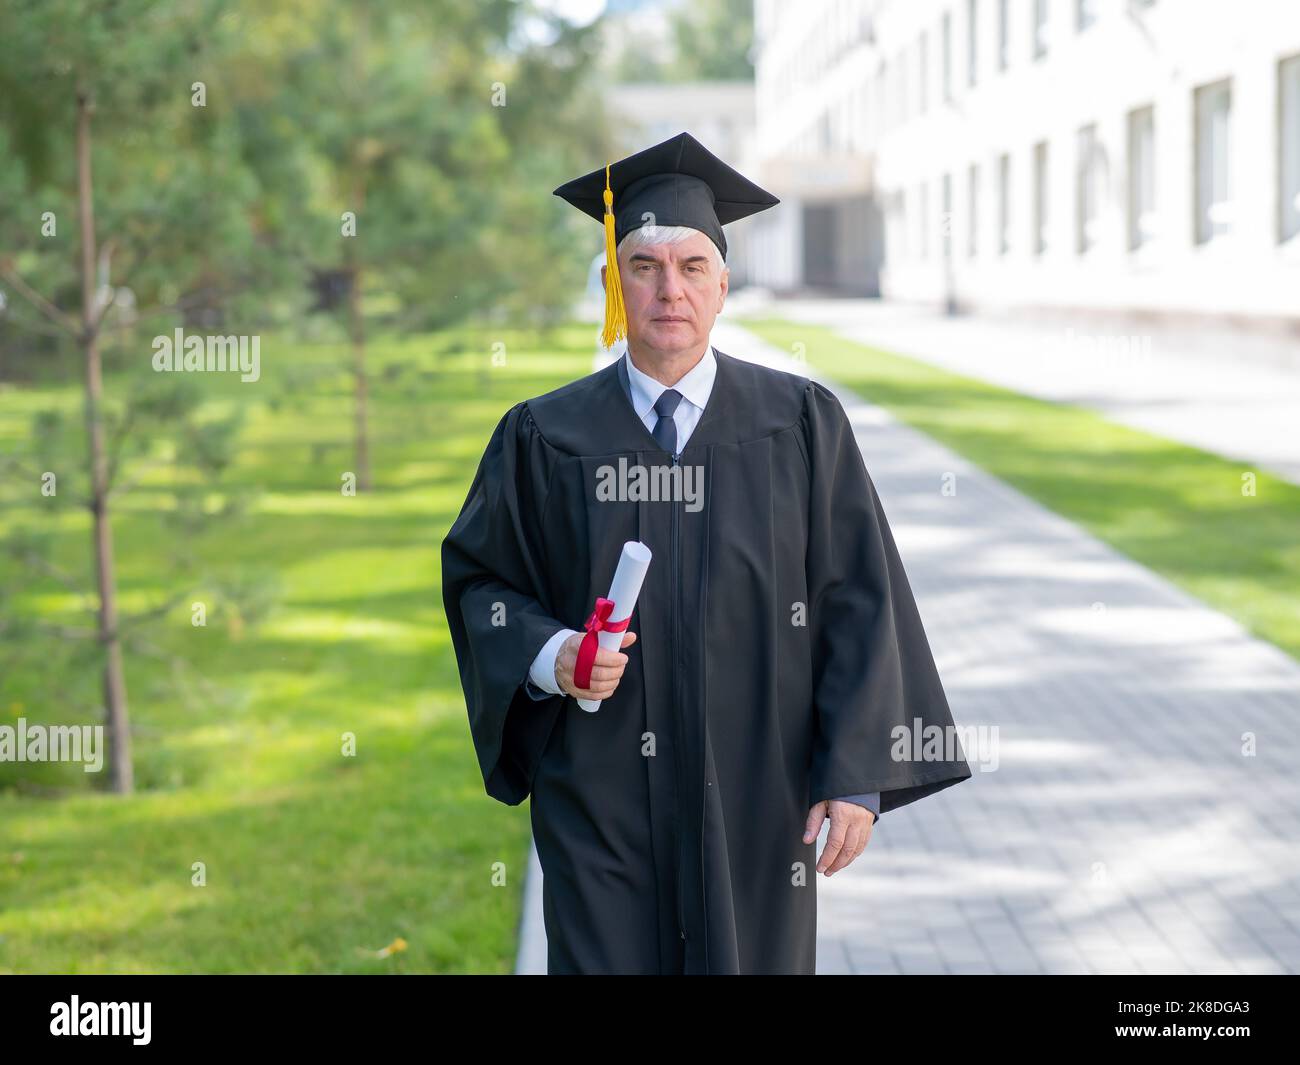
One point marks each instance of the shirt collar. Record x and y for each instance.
(695, 385)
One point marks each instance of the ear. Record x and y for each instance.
(602, 276)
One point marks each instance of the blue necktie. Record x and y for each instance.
(665, 431)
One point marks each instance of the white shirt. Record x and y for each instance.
(695, 386)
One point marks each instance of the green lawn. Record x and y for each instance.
(1177, 510)
(313, 860)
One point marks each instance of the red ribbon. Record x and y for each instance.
(598, 622)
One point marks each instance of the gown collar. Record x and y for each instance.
(621, 423)
(695, 385)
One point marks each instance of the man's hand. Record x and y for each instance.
(849, 834)
(605, 673)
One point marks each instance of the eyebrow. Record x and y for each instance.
(643, 257)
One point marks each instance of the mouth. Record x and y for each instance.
(669, 318)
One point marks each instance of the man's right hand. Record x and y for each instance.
(605, 672)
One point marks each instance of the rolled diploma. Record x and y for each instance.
(623, 590)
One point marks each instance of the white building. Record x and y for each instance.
(1119, 154)
(813, 141)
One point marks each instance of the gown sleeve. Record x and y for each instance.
(493, 591)
(875, 683)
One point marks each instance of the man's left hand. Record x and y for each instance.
(849, 834)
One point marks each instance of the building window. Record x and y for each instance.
(972, 41)
(1004, 30)
(946, 58)
(1141, 177)
(1004, 204)
(880, 103)
(973, 211)
(924, 197)
(1213, 161)
(900, 64)
(1040, 197)
(923, 73)
(864, 115)
(902, 225)
(1288, 76)
(1085, 14)
(945, 218)
(1040, 28)
(854, 101)
(1088, 175)
(886, 99)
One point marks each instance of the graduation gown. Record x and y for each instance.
(779, 650)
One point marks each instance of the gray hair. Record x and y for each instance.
(650, 234)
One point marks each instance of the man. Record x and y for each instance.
(775, 673)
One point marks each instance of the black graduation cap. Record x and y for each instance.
(678, 182)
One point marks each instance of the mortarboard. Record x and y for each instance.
(677, 182)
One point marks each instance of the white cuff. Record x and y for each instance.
(542, 672)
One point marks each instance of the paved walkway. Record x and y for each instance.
(1116, 827)
(1236, 395)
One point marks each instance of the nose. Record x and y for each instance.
(670, 286)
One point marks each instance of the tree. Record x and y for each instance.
(209, 152)
(429, 138)
(175, 221)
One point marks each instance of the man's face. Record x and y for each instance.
(673, 292)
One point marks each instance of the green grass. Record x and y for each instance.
(1173, 508)
(313, 860)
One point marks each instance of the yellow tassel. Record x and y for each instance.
(615, 311)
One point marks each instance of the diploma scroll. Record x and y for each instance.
(609, 620)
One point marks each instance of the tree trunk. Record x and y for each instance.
(119, 725)
(361, 392)
(356, 316)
